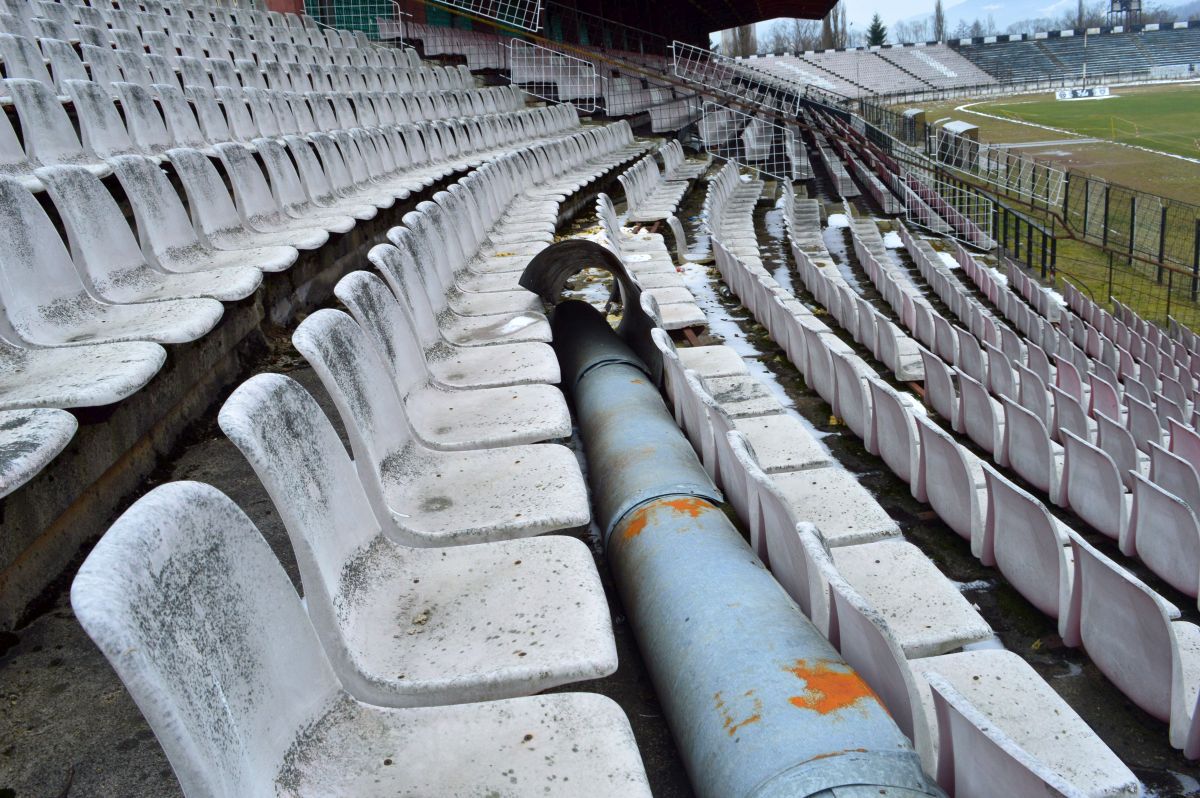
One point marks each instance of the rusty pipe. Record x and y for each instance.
(760, 704)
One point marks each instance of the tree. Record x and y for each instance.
(876, 32)
(939, 22)
(834, 31)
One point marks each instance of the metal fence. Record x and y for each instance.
(551, 75)
(526, 14)
(726, 75)
(1011, 173)
(752, 141)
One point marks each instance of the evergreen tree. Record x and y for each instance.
(876, 32)
(939, 22)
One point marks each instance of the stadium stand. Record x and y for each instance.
(172, 170)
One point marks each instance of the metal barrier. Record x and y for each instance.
(551, 75)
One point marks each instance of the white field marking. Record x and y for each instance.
(966, 109)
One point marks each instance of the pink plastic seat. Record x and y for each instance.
(1129, 633)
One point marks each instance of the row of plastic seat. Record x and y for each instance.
(1088, 482)
(949, 478)
(858, 606)
(728, 211)
(212, 118)
(649, 195)
(385, 624)
(1088, 461)
(651, 265)
(822, 277)
(54, 61)
(127, 296)
(200, 20)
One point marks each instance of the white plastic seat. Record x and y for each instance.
(443, 417)
(940, 393)
(1005, 690)
(261, 211)
(894, 431)
(167, 235)
(74, 376)
(1029, 546)
(401, 264)
(930, 614)
(215, 215)
(317, 184)
(1092, 487)
(1070, 416)
(107, 254)
(29, 440)
(103, 132)
(436, 498)
(284, 723)
(780, 441)
(1030, 452)
(183, 129)
(982, 417)
(980, 760)
(1175, 475)
(950, 479)
(146, 126)
(1165, 534)
(1118, 443)
(22, 59)
(46, 303)
(1129, 633)
(50, 138)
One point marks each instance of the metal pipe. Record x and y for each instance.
(760, 704)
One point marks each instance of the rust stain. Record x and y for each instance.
(828, 686)
(693, 507)
(637, 382)
(686, 506)
(637, 522)
(732, 726)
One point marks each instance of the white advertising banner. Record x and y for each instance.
(1090, 93)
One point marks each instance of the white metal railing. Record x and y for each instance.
(752, 141)
(724, 74)
(554, 76)
(525, 14)
(1001, 167)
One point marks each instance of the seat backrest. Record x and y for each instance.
(198, 618)
(146, 125)
(1125, 628)
(398, 265)
(865, 641)
(1174, 475)
(162, 221)
(1069, 415)
(104, 133)
(1027, 544)
(212, 208)
(22, 59)
(1027, 446)
(49, 136)
(102, 244)
(976, 758)
(1093, 486)
(358, 380)
(893, 430)
(1118, 444)
(1185, 442)
(940, 393)
(945, 478)
(38, 272)
(1165, 533)
(979, 413)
